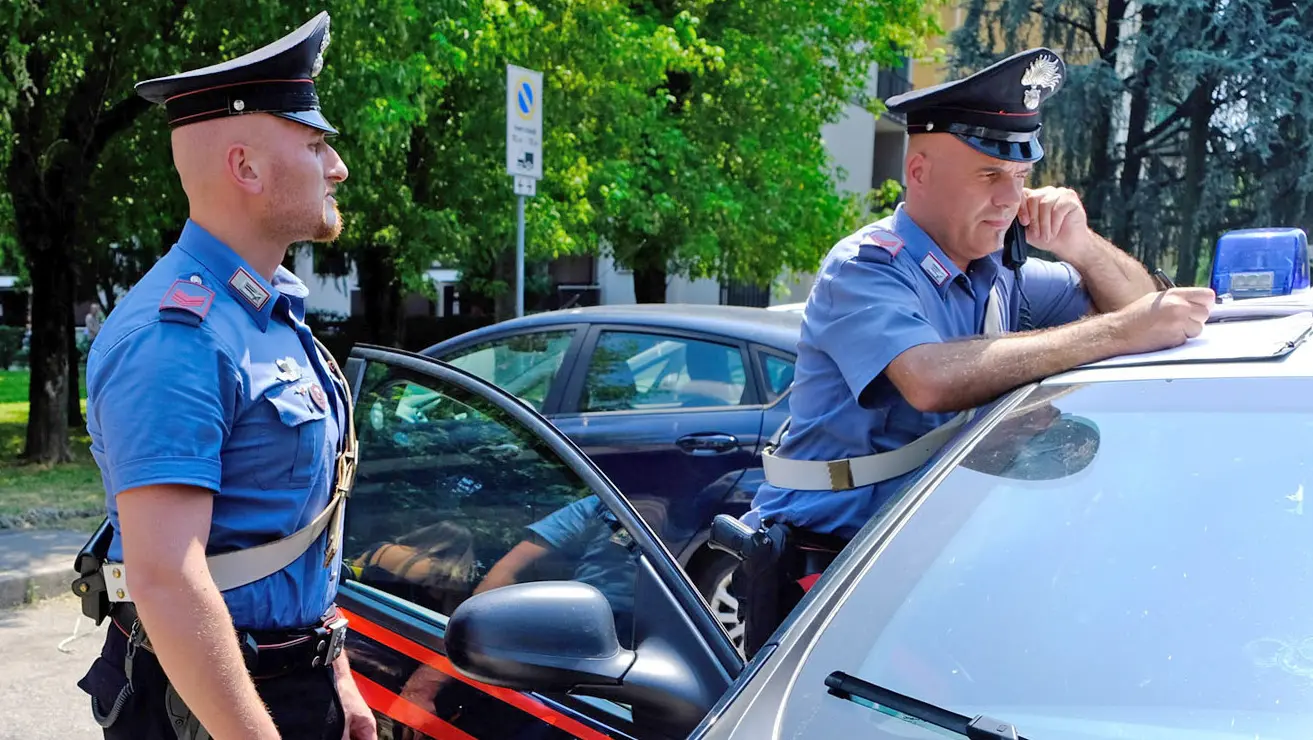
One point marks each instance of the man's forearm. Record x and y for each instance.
(958, 375)
(192, 634)
(1113, 278)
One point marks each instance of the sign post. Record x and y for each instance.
(524, 153)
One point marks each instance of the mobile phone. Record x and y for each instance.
(1014, 245)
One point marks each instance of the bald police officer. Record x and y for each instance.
(916, 317)
(223, 429)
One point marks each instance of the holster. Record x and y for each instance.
(184, 722)
(90, 584)
(758, 581)
(772, 562)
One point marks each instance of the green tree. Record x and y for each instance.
(724, 173)
(681, 138)
(66, 89)
(1181, 119)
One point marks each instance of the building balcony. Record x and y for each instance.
(890, 82)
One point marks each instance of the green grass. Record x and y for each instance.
(42, 495)
(13, 386)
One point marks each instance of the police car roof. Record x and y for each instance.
(1253, 338)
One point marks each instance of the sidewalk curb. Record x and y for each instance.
(17, 589)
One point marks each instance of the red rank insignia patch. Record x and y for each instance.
(187, 296)
(886, 240)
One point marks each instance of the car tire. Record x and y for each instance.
(712, 579)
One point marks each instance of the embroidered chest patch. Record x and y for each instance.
(935, 269)
(249, 288)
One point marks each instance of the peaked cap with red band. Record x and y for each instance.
(277, 79)
(995, 111)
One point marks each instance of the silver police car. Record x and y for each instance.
(1120, 551)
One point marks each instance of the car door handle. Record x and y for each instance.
(708, 443)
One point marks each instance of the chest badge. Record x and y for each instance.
(319, 397)
(288, 369)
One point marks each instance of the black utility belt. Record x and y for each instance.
(268, 653)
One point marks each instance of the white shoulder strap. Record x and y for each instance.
(856, 472)
(994, 322)
(240, 567)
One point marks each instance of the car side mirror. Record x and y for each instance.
(544, 636)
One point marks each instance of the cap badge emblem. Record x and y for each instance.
(323, 47)
(1043, 72)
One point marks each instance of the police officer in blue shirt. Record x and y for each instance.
(223, 431)
(917, 318)
(594, 547)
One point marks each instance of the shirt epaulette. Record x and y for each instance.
(186, 302)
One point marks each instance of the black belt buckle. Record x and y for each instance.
(250, 650)
(332, 639)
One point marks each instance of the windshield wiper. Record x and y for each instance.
(916, 711)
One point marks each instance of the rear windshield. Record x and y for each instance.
(1120, 560)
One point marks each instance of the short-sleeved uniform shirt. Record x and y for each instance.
(205, 374)
(879, 292)
(587, 533)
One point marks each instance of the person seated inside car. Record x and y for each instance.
(582, 542)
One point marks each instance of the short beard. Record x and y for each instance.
(326, 232)
(304, 225)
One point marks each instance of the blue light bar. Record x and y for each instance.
(1250, 263)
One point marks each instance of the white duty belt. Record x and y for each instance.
(856, 472)
(240, 567)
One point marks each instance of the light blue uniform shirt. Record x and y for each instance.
(588, 534)
(880, 292)
(205, 374)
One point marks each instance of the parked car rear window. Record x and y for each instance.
(637, 371)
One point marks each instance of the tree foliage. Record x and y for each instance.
(1181, 119)
(683, 136)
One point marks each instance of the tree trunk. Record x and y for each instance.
(43, 225)
(75, 420)
(47, 426)
(1099, 203)
(1100, 208)
(1133, 165)
(1196, 155)
(650, 284)
(57, 149)
(381, 296)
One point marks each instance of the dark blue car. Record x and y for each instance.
(673, 402)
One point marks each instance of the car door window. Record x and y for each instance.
(523, 365)
(779, 374)
(639, 371)
(453, 497)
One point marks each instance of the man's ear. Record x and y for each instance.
(918, 168)
(244, 169)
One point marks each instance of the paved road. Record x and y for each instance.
(39, 682)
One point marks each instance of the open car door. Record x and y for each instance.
(462, 491)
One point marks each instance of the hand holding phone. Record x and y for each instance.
(1014, 245)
